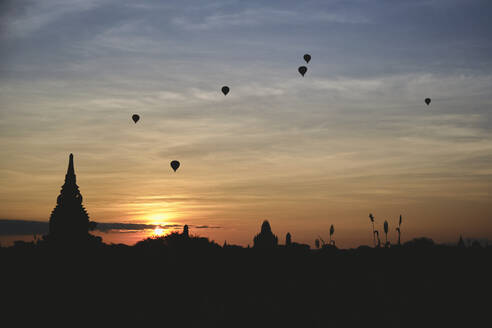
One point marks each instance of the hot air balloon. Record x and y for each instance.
(307, 58)
(175, 165)
(427, 101)
(302, 70)
(135, 117)
(225, 90)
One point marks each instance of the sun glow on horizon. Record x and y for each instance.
(158, 219)
(161, 221)
(158, 232)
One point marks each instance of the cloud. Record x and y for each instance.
(263, 16)
(23, 227)
(31, 16)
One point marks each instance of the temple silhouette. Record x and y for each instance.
(69, 220)
(265, 239)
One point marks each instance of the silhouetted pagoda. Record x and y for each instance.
(69, 220)
(265, 239)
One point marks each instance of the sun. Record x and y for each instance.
(158, 232)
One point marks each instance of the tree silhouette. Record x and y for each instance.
(371, 217)
(385, 225)
(332, 231)
(288, 239)
(461, 243)
(265, 239)
(476, 244)
(421, 242)
(186, 233)
(398, 229)
(376, 233)
(270, 291)
(316, 243)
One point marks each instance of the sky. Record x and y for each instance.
(351, 137)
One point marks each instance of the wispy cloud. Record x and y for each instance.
(24, 227)
(263, 16)
(37, 15)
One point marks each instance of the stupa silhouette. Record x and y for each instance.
(265, 239)
(69, 220)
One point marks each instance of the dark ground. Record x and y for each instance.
(190, 282)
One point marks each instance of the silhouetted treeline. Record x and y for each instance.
(182, 280)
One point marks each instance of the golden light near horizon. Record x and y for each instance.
(160, 220)
(158, 232)
(157, 218)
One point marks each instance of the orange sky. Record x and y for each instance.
(303, 204)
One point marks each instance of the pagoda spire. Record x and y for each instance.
(70, 176)
(69, 219)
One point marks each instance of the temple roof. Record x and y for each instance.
(70, 191)
(70, 176)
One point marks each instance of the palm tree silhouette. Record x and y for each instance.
(371, 217)
(386, 232)
(376, 233)
(332, 230)
(399, 231)
(288, 239)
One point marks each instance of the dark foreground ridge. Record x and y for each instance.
(182, 280)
